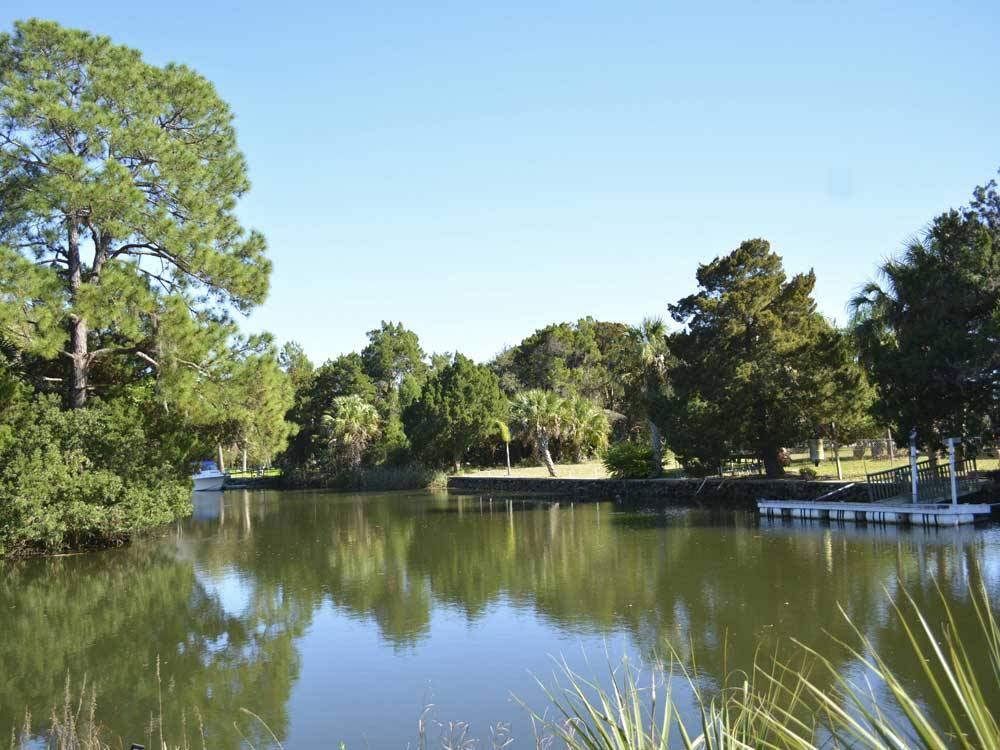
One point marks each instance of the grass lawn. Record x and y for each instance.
(853, 469)
(586, 470)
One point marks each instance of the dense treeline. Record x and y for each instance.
(750, 369)
(393, 405)
(123, 266)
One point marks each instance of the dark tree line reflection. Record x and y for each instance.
(222, 599)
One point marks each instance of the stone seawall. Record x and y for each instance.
(713, 492)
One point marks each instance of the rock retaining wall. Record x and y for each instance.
(733, 493)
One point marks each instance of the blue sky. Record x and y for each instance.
(478, 170)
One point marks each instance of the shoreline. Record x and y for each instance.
(728, 492)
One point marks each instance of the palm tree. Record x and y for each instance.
(652, 358)
(539, 416)
(505, 436)
(351, 428)
(877, 311)
(586, 426)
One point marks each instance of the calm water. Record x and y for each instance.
(340, 617)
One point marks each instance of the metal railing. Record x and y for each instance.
(933, 480)
(742, 465)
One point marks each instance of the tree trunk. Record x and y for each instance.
(507, 446)
(244, 459)
(222, 460)
(546, 456)
(80, 363)
(772, 462)
(456, 464)
(836, 450)
(78, 354)
(578, 454)
(656, 464)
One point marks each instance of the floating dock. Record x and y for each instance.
(916, 514)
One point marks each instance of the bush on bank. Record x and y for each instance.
(85, 477)
(628, 460)
(406, 477)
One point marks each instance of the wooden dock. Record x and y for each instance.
(917, 514)
(924, 493)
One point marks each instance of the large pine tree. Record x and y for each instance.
(758, 368)
(118, 184)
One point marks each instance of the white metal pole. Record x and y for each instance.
(954, 474)
(836, 452)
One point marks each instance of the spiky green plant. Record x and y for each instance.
(586, 426)
(783, 707)
(652, 363)
(950, 682)
(540, 417)
(352, 426)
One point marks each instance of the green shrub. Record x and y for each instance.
(408, 477)
(628, 460)
(88, 477)
(697, 467)
(808, 472)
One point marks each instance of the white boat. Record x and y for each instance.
(208, 478)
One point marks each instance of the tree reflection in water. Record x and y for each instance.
(225, 597)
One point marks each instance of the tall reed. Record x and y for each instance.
(784, 707)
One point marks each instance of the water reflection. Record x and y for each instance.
(366, 598)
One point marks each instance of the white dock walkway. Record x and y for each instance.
(922, 514)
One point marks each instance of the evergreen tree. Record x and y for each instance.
(754, 362)
(929, 334)
(343, 376)
(239, 402)
(118, 184)
(315, 397)
(392, 355)
(589, 358)
(293, 361)
(458, 408)
(394, 362)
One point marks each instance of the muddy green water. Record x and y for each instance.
(340, 617)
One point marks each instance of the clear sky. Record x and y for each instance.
(478, 170)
